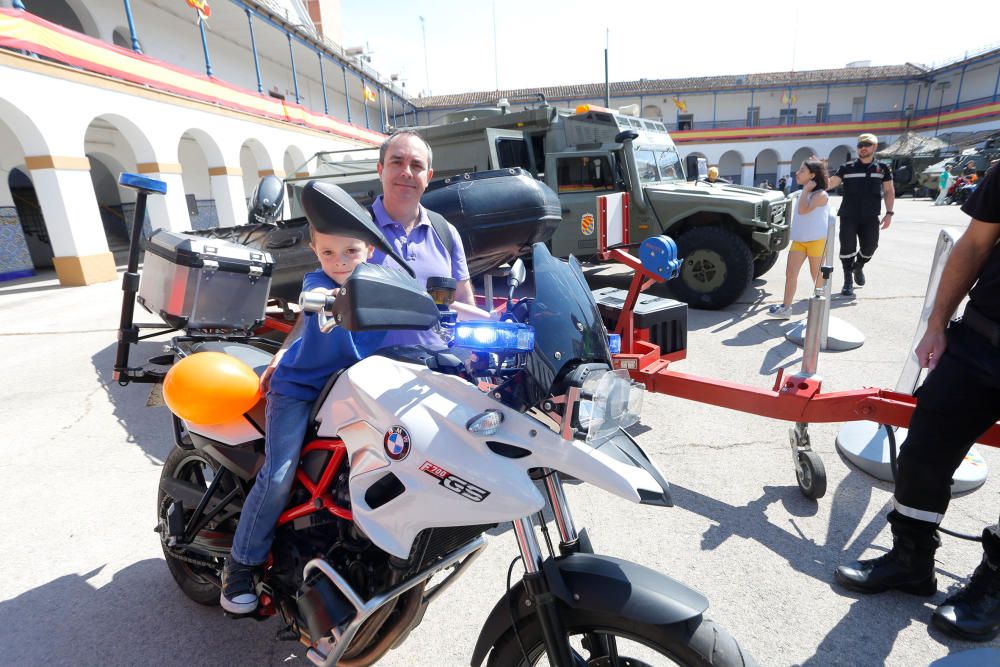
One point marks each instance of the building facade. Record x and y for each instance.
(759, 127)
(207, 102)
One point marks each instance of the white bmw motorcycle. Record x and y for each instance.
(413, 455)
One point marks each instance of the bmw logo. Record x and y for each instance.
(396, 443)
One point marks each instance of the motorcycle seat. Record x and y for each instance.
(254, 357)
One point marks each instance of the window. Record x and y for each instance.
(823, 112)
(788, 116)
(858, 109)
(512, 153)
(670, 165)
(685, 121)
(646, 163)
(753, 116)
(584, 174)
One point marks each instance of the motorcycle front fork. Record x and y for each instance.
(536, 585)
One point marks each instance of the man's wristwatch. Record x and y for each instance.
(888, 212)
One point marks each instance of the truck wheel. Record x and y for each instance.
(763, 263)
(717, 268)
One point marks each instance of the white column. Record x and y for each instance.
(72, 219)
(227, 190)
(167, 211)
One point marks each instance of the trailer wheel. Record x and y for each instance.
(811, 474)
(717, 267)
(763, 263)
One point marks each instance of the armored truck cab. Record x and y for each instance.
(727, 234)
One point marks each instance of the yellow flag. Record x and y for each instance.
(370, 95)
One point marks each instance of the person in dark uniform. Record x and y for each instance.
(865, 182)
(957, 403)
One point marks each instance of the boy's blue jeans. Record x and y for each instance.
(287, 420)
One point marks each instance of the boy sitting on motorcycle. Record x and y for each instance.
(292, 383)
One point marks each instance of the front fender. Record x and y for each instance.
(598, 583)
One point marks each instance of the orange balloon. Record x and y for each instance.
(210, 388)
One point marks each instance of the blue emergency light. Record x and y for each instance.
(488, 336)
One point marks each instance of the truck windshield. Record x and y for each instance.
(645, 162)
(670, 165)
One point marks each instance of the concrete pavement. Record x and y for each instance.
(84, 581)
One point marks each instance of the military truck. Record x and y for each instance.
(727, 234)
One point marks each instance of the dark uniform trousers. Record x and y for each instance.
(857, 230)
(959, 400)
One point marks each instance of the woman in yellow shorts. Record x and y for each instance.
(809, 227)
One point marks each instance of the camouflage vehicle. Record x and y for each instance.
(727, 234)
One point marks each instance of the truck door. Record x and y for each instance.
(578, 178)
(508, 149)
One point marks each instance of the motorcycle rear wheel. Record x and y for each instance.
(198, 582)
(698, 641)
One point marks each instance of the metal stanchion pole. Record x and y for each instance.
(866, 444)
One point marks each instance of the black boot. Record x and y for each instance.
(859, 274)
(908, 567)
(848, 290)
(973, 612)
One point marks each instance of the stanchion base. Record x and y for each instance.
(866, 445)
(840, 336)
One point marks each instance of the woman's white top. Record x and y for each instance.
(810, 226)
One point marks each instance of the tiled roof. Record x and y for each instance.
(673, 86)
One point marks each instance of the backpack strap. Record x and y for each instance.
(443, 231)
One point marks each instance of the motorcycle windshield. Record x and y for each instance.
(567, 323)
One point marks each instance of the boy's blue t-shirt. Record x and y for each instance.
(315, 356)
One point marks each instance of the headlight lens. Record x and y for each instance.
(612, 401)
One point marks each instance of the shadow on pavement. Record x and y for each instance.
(873, 621)
(139, 617)
(148, 427)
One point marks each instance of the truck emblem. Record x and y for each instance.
(587, 224)
(396, 443)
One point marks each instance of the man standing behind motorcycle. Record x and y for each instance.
(404, 167)
(293, 382)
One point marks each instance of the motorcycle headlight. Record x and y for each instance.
(613, 401)
(489, 336)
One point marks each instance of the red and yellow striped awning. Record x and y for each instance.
(25, 31)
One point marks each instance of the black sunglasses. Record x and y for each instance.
(865, 145)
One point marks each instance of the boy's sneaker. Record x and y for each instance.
(779, 311)
(859, 277)
(239, 595)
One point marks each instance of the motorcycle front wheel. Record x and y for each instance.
(604, 640)
(197, 576)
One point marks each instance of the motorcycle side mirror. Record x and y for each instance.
(330, 210)
(267, 201)
(378, 297)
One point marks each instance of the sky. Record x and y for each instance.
(557, 42)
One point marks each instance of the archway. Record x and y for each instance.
(71, 14)
(766, 168)
(253, 160)
(25, 244)
(112, 143)
(30, 238)
(293, 161)
(731, 166)
(838, 156)
(652, 112)
(194, 152)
